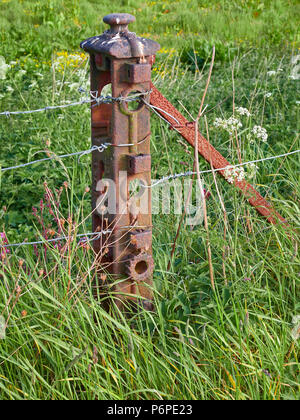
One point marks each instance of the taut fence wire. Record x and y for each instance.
(86, 236)
(100, 149)
(94, 98)
(190, 173)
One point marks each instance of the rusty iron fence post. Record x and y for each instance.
(121, 59)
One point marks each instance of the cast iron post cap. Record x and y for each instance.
(118, 41)
(119, 19)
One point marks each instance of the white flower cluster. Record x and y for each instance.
(229, 125)
(231, 173)
(3, 68)
(268, 94)
(273, 72)
(243, 111)
(251, 170)
(260, 133)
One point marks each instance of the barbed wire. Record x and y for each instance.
(61, 238)
(100, 149)
(109, 99)
(190, 173)
(94, 148)
(94, 98)
(65, 238)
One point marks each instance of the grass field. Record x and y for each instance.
(239, 342)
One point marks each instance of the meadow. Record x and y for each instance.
(237, 342)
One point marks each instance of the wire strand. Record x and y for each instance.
(94, 98)
(62, 238)
(100, 149)
(189, 173)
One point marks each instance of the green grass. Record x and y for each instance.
(234, 343)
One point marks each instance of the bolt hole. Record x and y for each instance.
(141, 267)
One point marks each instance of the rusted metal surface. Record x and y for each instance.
(137, 73)
(139, 164)
(118, 42)
(140, 268)
(120, 58)
(211, 155)
(141, 240)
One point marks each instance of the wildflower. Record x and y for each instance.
(271, 73)
(21, 73)
(231, 174)
(260, 133)
(229, 125)
(207, 194)
(296, 330)
(268, 95)
(95, 355)
(84, 243)
(74, 86)
(251, 170)
(243, 111)
(103, 277)
(267, 373)
(9, 89)
(33, 84)
(3, 241)
(3, 68)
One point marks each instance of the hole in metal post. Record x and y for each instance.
(107, 90)
(134, 105)
(141, 267)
